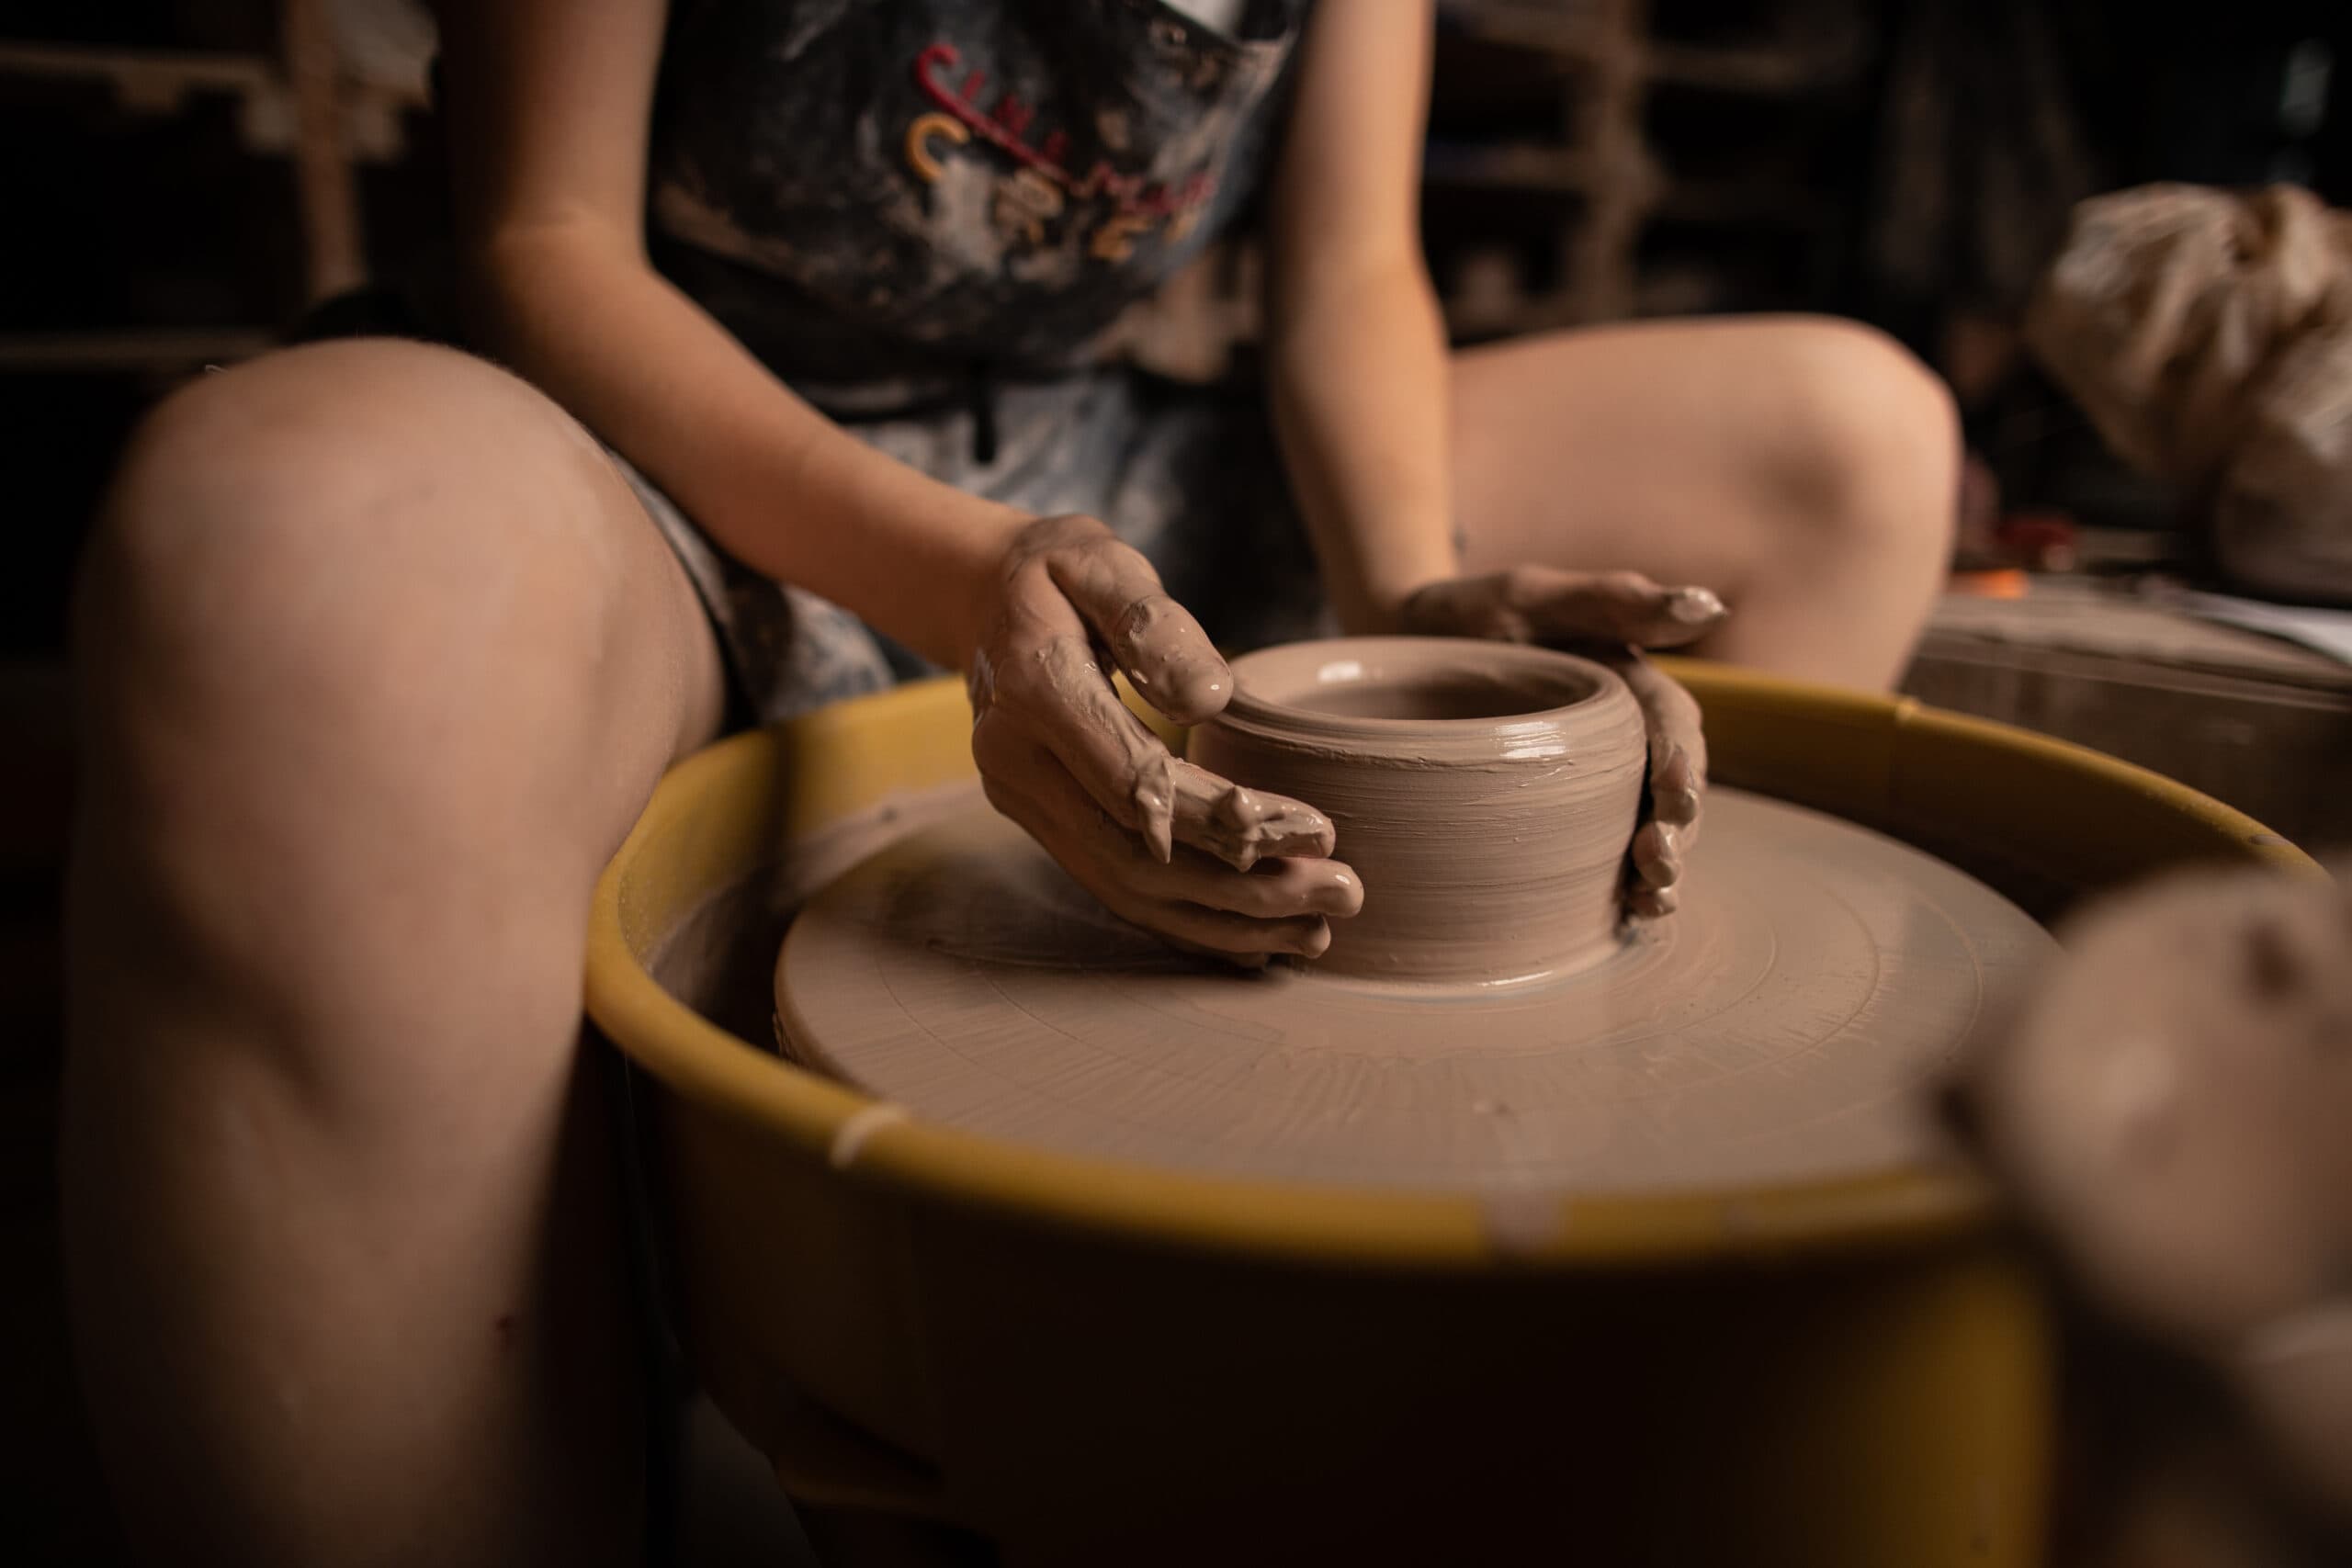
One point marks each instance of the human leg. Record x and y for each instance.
(379, 658)
(1804, 470)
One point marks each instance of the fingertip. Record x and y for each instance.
(1346, 892)
(1695, 606)
(1674, 789)
(1169, 659)
(1653, 903)
(1323, 888)
(1315, 941)
(1194, 691)
(1656, 856)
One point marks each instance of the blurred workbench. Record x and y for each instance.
(2257, 721)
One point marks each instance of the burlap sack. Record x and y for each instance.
(2209, 336)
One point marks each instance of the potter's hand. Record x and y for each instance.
(1607, 616)
(1201, 863)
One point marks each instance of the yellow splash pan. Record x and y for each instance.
(1088, 1362)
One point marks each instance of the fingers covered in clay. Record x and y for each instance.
(1220, 934)
(1652, 903)
(1277, 888)
(1537, 603)
(1071, 588)
(1196, 901)
(1677, 739)
(1242, 827)
(1132, 776)
(1166, 655)
(1658, 859)
(1677, 786)
(1046, 688)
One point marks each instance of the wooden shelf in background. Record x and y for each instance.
(1774, 70)
(135, 351)
(1505, 166)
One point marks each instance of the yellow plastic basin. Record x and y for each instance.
(1108, 1364)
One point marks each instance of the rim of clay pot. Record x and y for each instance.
(1273, 688)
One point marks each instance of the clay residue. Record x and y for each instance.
(721, 958)
(1242, 826)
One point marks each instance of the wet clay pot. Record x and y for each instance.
(1485, 792)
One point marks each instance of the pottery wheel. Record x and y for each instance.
(1782, 1027)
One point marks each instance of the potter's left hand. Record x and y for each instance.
(1611, 617)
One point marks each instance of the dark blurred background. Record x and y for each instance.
(184, 179)
(184, 176)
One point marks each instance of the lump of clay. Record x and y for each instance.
(2170, 1110)
(2209, 336)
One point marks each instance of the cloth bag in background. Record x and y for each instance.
(2209, 336)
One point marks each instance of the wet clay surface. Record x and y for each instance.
(1784, 1026)
(1484, 794)
(720, 959)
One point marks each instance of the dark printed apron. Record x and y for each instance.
(925, 217)
(863, 189)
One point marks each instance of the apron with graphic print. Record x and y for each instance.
(876, 192)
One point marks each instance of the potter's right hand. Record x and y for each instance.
(1173, 848)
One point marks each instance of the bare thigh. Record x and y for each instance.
(379, 658)
(1804, 468)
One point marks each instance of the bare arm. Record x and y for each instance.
(550, 101)
(1361, 373)
(1356, 342)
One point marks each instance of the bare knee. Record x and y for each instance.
(264, 492)
(1870, 450)
(370, 522)
(376, 579)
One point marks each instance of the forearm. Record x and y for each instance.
(1359, 368)
(773, 481)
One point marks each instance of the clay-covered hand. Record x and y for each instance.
(1610, 616)
(1209, 866)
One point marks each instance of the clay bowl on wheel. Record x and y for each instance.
(1088, 1361)
(1485, 793)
